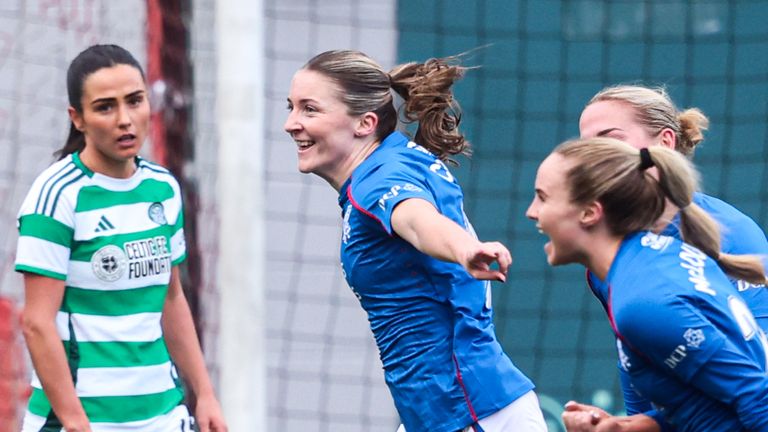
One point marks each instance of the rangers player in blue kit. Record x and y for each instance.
(685, 337)
(740, 236)
(643, 117)
(407, 249)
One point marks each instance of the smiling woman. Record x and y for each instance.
(323, 131)
(408, 250)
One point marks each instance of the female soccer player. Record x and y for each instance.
(643, 117)
(686, 339)
(407, 249)
(100, 239)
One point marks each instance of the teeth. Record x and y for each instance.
(304, 144)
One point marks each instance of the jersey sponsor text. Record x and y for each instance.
(148, 257)
(693, 261)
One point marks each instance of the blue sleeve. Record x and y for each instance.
(738, 232)
(659, 419)
(740, 235)
(678, 339)
(733, 378)
(636, 404)
(633, 402)
(658, 326)
(746, 238)
(378, 191)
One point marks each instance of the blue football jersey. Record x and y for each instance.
(685, 337)
(432, 321)
(739, 235)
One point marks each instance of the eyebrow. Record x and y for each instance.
(110, 99)
(605, 132)
(303, 101)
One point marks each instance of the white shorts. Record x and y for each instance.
(522, 415)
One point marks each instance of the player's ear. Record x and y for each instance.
(76, 117)
(366, 124)
(668, 138)
(591, 214)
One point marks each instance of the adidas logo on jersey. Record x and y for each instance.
(104, 225)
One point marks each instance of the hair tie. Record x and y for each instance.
(645, 159)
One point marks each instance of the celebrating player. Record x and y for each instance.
(684, 335)
(407, 249)
(643, 117)
(100, 239)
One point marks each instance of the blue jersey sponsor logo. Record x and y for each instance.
(623, 357)
(743, 285)
(693, 261)
(676, 357)
(345, 227)
(694, 337)
(655, 241)
(395, 191)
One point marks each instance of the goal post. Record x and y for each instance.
(239, 116)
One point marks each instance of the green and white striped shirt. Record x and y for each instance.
(113, 242)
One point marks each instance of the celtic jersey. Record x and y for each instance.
(113, 242)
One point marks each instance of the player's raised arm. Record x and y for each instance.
(419, 223)
(431, 318)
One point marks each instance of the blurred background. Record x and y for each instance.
(287, 343)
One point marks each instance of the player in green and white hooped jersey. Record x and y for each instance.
(101, 235)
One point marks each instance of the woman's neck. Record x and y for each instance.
(121, 169)
(602, 252)
(670, 211)
(354, 160)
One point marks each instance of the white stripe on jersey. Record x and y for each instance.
(140, 327)
(178, 245)
(52, 179)
(122, 217)
(117, 184)
(62, 325)
(170, 422)
(60, 202)
(123, 381)
(42, 254)
(81, 276)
